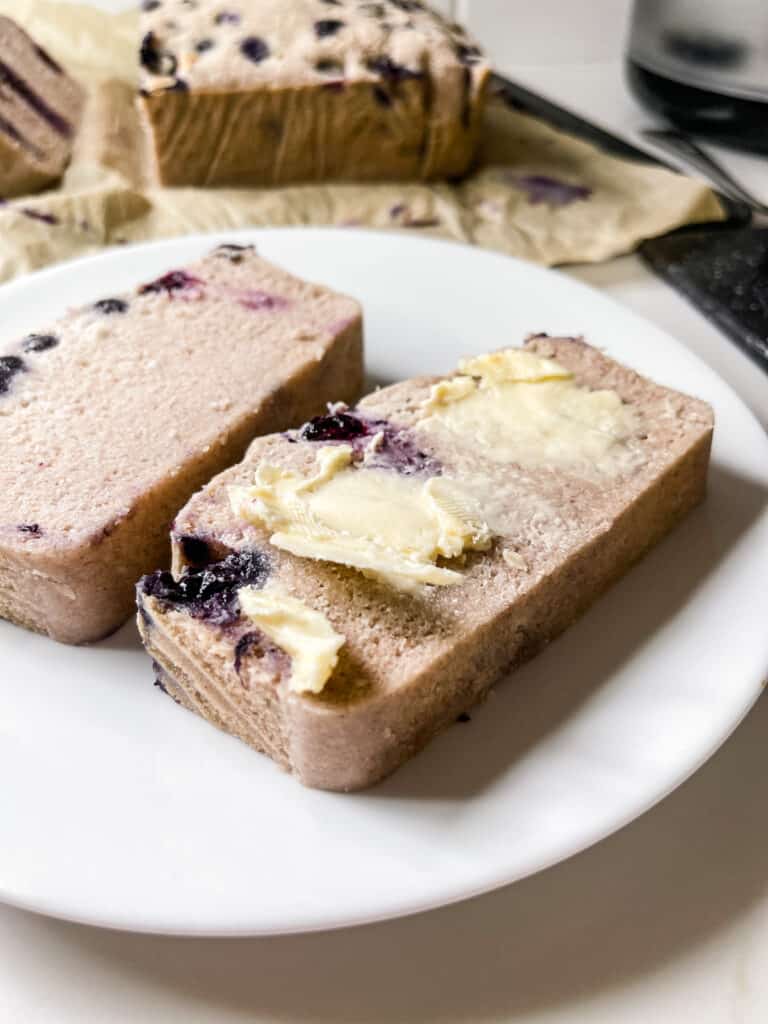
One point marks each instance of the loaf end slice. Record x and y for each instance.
(586, 474)
(40, 111)
(113, 416)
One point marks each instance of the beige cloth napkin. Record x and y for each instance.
(538, 194)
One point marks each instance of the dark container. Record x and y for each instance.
(703, 65)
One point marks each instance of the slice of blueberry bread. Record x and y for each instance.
(40, 110)
(268, 92)
(113, 416)
(354, 586)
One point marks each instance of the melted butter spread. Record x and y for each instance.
(386, 525)
(303, 633)
(516, 407)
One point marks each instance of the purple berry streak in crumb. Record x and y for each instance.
(173, 281)
(227, 18)
(256, 644)
(258, 300)
(47, 59)
(30, 529)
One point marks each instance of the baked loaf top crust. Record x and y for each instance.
(250, 44)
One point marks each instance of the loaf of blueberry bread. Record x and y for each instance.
(113, 416)
(40, 110)
(353, 586)
(270, 92)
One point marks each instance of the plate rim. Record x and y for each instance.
(410, 906)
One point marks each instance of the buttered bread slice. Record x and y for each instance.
(352, 587)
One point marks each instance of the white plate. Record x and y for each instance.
(118, 808)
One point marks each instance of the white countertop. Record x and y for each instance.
(667, 920)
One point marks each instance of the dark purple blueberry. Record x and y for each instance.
(45, 218)
(332, 3)
(31, 529)
(408, 5)
(463, 718)
(391, 70)
(339, 426)
(397, 210)
(233, 253)
(382, 97)
(469, 54)
(257, 645)
(258, 300)
(328, 27)
(541, 188)
(9, 367)
(204, 45)
(150, 5)
(209, 592)
(110, 306)
(254, 49)
(39, 342)
(173, 281)
(227, 18)
(326, 66)
(178, 86)
(48, 60)
(155, 59)
(195, 550)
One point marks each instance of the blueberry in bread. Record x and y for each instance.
(354, 586)
(40, 111)
(271, 92)
(113, 416)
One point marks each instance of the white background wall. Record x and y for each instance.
(549, 36)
